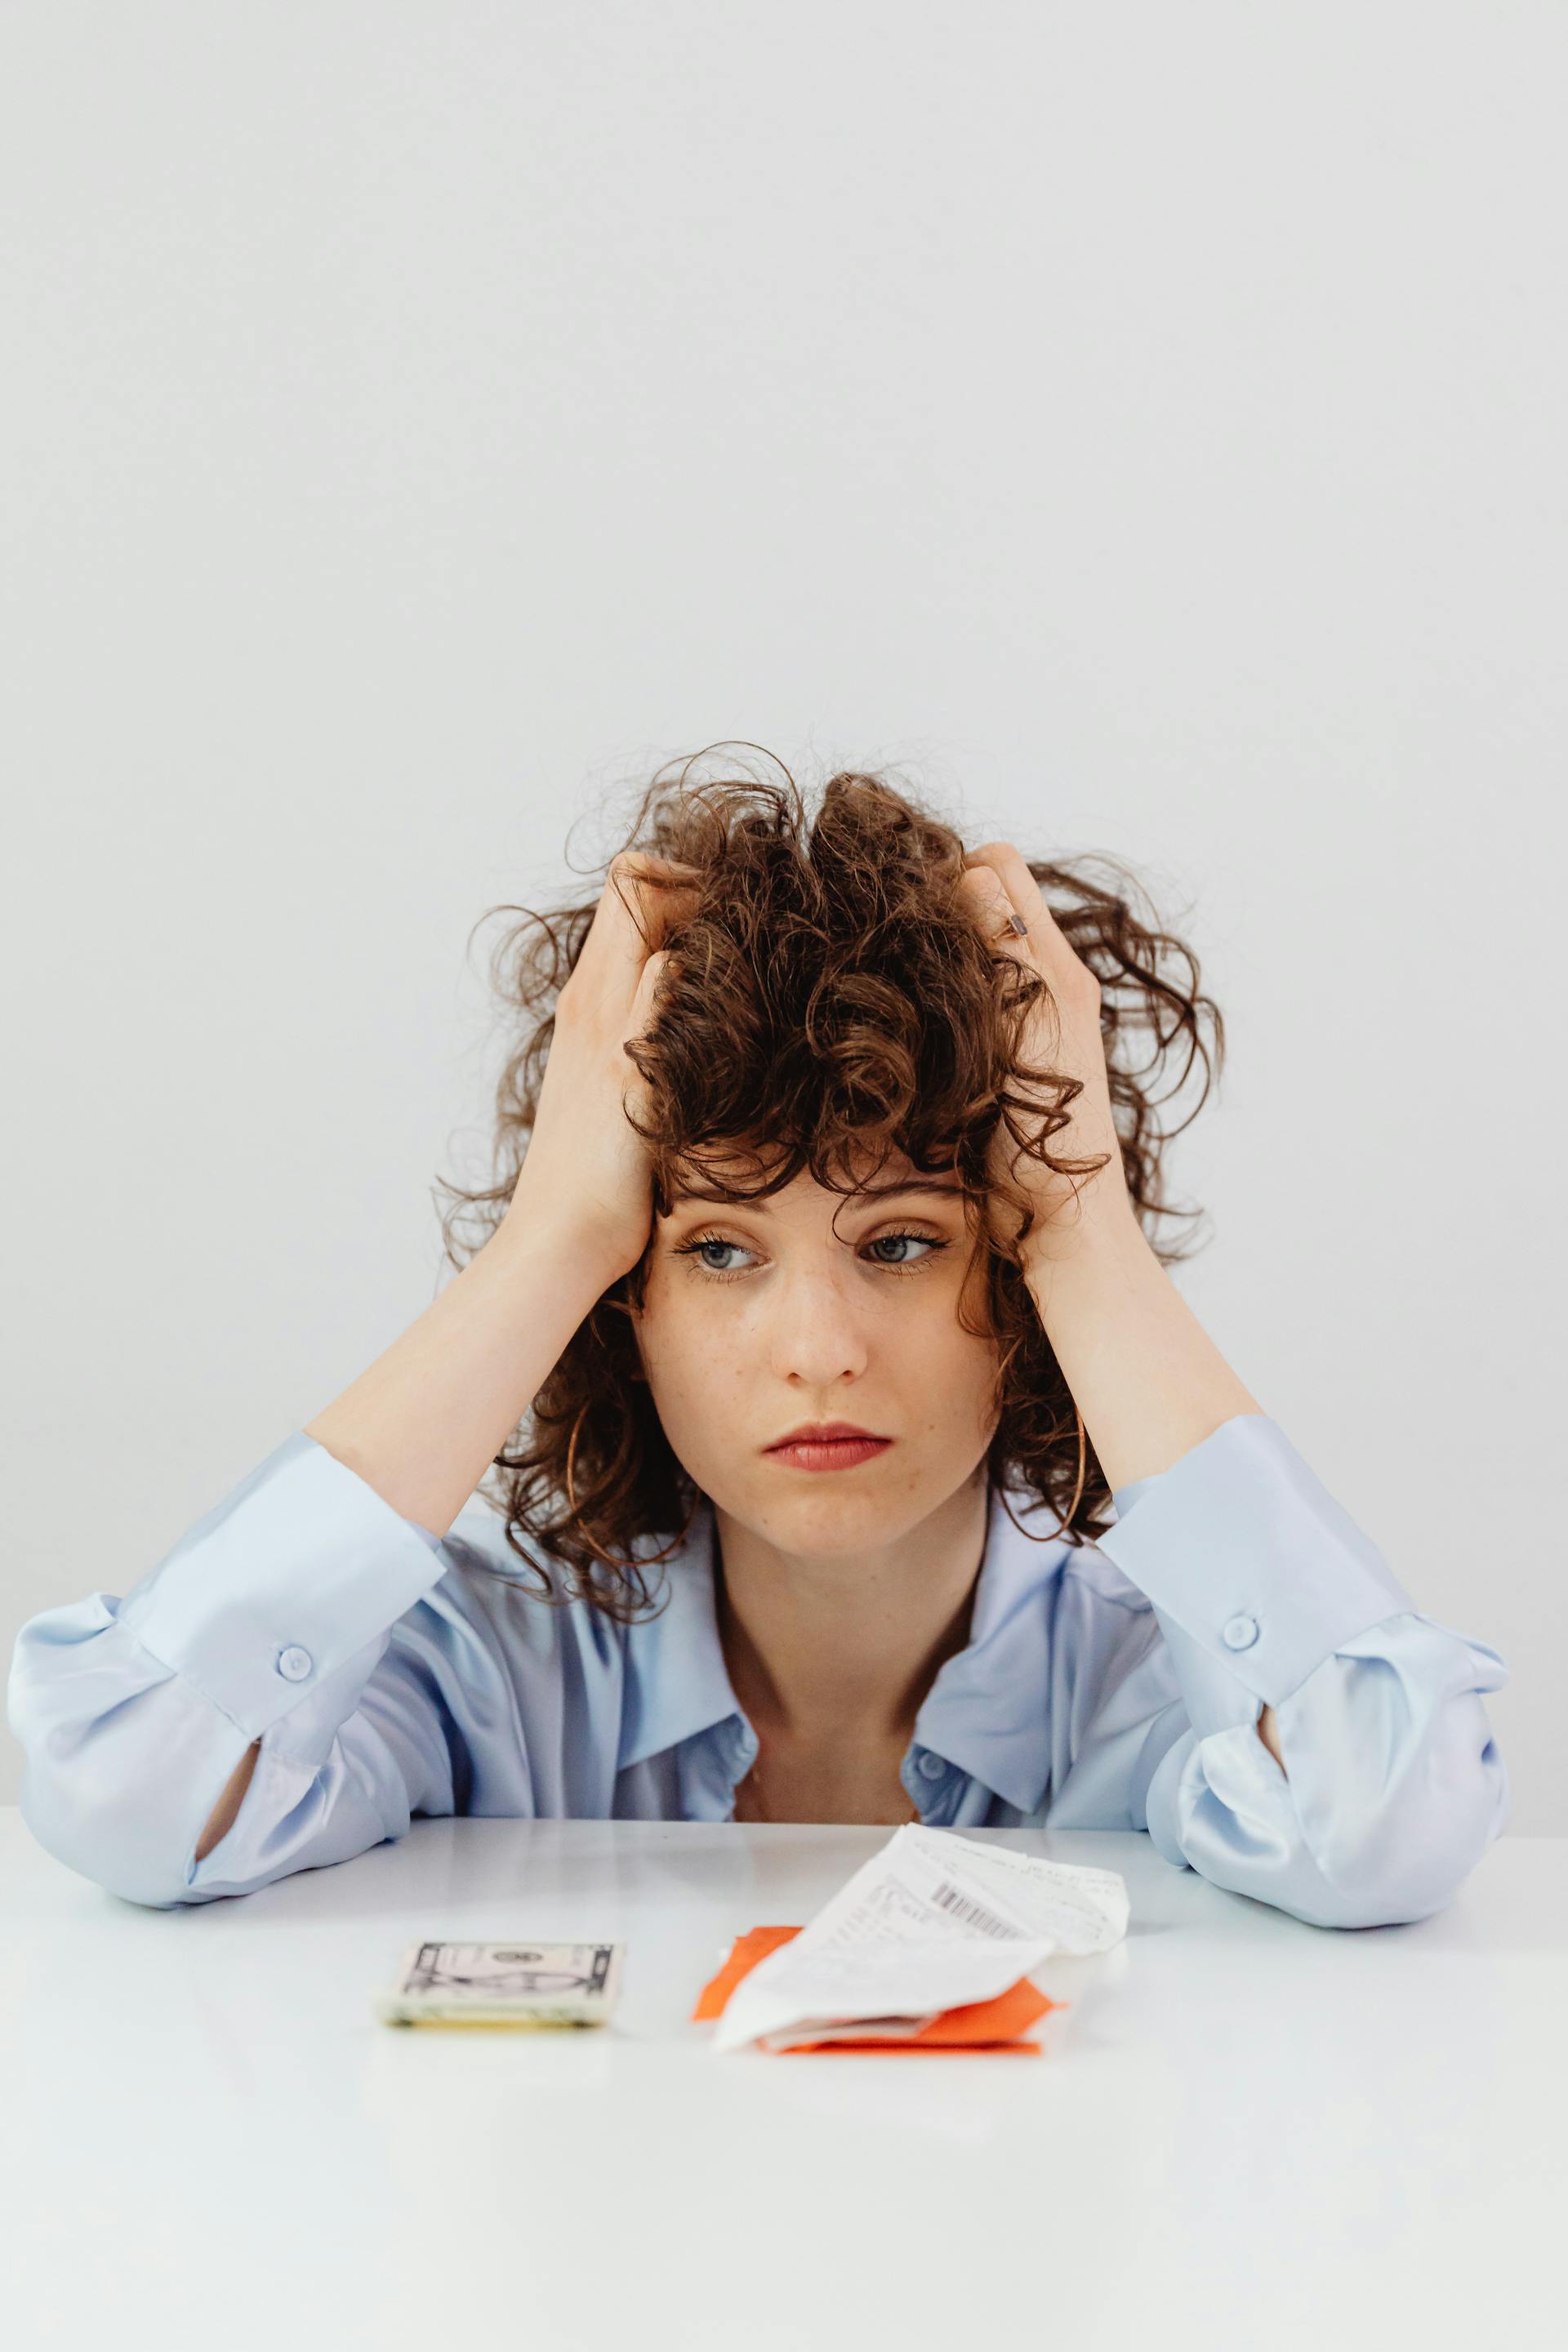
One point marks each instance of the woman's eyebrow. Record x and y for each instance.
(870, 1192)
(915, 1184)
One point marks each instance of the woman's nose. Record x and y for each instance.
(816, 1336)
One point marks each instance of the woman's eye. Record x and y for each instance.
(715, 1255)
(708, 1250)
(895, 1249)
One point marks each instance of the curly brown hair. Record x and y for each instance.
(826, 1003)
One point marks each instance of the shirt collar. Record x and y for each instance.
(986, 1711)
(677, 1681)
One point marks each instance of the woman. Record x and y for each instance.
(818, 1266)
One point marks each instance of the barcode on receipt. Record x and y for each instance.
(963, 1906)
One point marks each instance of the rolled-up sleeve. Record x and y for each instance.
(1267, 1593)
(271, 1619)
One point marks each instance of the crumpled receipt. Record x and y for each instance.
(932, 1921)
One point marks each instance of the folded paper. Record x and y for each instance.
(995, 2025)
(934, 1926)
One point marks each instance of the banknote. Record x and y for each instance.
(515, 1983)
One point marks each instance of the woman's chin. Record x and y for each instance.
(825, 1517)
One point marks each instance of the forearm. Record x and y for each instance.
(426, 1420)
(1144, 1374)
(1147, 1379)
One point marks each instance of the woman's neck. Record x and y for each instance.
(839, 1650)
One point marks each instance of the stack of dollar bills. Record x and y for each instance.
(524, 1985)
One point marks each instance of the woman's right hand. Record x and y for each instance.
(586, 1177)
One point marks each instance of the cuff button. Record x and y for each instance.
(294, 1664)
(1240, 1632)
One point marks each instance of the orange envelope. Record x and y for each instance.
(991, 2025)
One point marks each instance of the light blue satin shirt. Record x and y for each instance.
(1111, 1686)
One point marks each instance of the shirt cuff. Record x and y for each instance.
(1125, 1496)
(1242, 1546)
(300, 1566)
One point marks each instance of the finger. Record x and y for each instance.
(984, 897)
(653, 972)
(643, 899)
(1051, 949)
(1023, 892)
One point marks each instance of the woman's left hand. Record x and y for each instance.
(1063, 1034)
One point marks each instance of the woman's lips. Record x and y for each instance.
(828, 1453)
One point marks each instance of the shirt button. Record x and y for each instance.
(932, 1767)
(1240, 1632)
(294, 1664)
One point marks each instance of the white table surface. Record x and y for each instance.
(1244, 2130)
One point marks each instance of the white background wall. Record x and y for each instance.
(1143, 425)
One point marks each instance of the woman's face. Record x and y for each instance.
(821, 1307)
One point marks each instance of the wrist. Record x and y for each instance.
(583, 1253)
(1147, 1379)
(1097, 1240)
